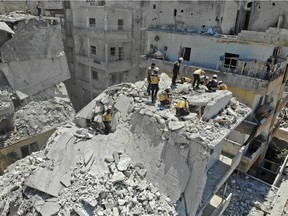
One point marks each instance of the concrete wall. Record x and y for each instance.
(191, 14)
(32, 76)
(265, 14)
(205, 50)
(41, 140)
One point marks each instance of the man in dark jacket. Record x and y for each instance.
(176, 70)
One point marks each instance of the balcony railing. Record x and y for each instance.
(99, 26)
(251, 68)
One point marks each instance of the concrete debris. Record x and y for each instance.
(250, 196)
(148, 144)
(284, 116)
(112, 193)
(38, 117)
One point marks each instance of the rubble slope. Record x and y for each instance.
(171, 154)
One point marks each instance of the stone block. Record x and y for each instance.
(216, 104)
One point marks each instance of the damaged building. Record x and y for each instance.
(34, 101)
(227, 157)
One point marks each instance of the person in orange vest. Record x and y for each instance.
(107, 118)
(154, 84)
(165, 98)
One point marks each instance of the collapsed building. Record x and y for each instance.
(232, 41)
(174, 154)
(34, 101)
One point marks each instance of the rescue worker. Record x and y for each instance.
(176, 70)
(182, 107)
(186, 79)
(212, 85)
(154, 84)
(107, 118)
(148, 75)
(222, 86)
(196, 75)
(165, 98)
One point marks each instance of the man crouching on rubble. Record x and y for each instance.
(182, 108)
(107, 118)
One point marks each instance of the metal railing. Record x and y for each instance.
(230, 65)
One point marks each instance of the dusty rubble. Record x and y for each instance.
(155, 147)
(250, 196)
(284, 116)
(122, 189)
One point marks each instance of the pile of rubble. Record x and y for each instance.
(71, 177)
(121, 190)
(250, 196)
(220, 114)
(284, 116)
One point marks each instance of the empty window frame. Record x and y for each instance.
(230, 60)
(120, 24)
(120, 53)
(94, 74)
(92, 22)
(112, 51)
(185, 53)
(93, 50)
(28, 149)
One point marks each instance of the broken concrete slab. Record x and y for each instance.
(50, 208)
(217, 104)
(124, 163)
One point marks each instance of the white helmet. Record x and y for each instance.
(156, 69)
(214, 76)
(220, 82)
(180, 59)
(109, 107)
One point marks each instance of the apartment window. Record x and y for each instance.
(120, 53)
(28, 149)
(94, 74)
(113, 78)
(92, 22)
(112, 51)
(185, 53)
(154, 6)
(120, 24)
(101, 2)
(93, 50)
(230, 60)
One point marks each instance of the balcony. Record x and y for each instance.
(113, 64)
(217, 175)
(113, 32)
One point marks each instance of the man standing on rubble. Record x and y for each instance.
(176, 70)
(154, 84)
(196, 76)
(107, 118)
(149, 72)
(39, 8)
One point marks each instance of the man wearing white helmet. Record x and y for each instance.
(212, 85)
(222, 86)
(107, 118)
(176, 70)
